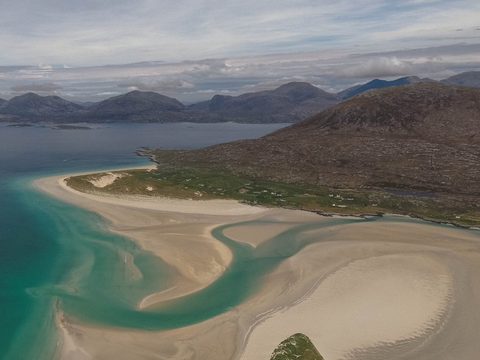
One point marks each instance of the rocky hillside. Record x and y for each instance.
(2, 102)
(422, 137)
(38, 107)
(296, 347)
(379, 84)
(471, 79)
(291, 102)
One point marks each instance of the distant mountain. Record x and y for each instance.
(379, 84)
(34, 106)
(291, 102)
(296, 347)
(423, 136)
(136, 106)
(471, 79)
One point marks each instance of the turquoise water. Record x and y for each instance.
(48, 248)
(56, 256)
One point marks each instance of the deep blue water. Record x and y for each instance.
(36, 231)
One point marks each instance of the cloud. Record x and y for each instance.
(45, 67)
(194, 81)
(44, 87)
(378, 67)
(159, 85)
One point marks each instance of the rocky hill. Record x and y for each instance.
(291, 102)
(379, 84)
(424, 137)
(33, 106)
(296, 347)
(2, 102)
(471, 79)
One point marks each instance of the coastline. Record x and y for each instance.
(291, 293)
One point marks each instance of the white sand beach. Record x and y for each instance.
(368, 290)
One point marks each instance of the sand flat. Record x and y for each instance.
(383, 299)
(370, 290)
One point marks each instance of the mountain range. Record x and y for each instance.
(290, 103)
(420, 137)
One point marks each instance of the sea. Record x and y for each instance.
(50, 251)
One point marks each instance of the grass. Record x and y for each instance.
(187, 183)
(296, 347)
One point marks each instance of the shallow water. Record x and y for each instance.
(45, 244)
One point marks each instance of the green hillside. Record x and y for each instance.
(296, 347)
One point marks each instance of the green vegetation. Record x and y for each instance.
(296, 347)
(188, 183)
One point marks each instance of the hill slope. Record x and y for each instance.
(379, 84)
(471, 79)
(291, 102)
(296, 347)
(423, 136)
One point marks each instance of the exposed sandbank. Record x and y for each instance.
(369, 290)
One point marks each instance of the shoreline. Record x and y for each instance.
(249, 331)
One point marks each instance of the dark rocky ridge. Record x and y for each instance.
(2, 101)
(423, 136)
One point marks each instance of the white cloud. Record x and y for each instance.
(45, 67)
(378, 67)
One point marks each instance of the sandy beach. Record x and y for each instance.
(389, 289)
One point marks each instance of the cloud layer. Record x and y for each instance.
(193, 81)
(92, 32)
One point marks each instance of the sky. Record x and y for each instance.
(191, 49)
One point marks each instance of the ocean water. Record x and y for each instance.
(46, 245)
